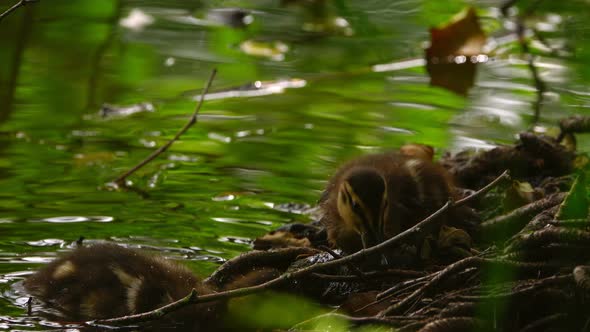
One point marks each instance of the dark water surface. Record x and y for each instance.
(288, 105)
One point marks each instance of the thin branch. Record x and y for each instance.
(402, 286)
(516, 219)
(455, 324)
(437, 277)
(193, 119)
(353, 267)
(21, 3)
(358, 321)
(558, 280)
(502, 177)
(543, 324)
(370, 275)
(147, 316)
(320, 266)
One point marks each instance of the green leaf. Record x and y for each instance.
(575, 205)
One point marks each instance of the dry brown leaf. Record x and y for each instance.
(461, 36)
(455, 49)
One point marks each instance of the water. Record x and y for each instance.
(287, 107)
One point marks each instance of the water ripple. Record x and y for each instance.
(73, 219)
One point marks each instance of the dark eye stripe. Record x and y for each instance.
(356, 208)
(343, 196)
(349, 198)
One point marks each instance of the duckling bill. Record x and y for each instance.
(377, 196)
(106, 280)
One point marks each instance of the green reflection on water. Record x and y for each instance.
(61, 60)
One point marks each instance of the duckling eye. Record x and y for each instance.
(357, 208)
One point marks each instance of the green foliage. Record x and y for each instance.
(576, 204)
(271, 310)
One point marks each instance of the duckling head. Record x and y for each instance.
(362, 204)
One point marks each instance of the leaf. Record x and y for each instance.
(575, 204)
(517, 195)
(455, 49)
(461, 36)
(581, 162)
(569, 142)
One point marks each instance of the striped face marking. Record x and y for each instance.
(353, 210)
(362, 205)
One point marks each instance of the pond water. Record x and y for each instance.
(299, 91)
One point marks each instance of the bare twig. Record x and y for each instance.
(437, 277)
(371, 275)
(120, 181)
(147, 316)
(402, 286)
(516, 219)
(454, 324)
(358, 321)
(21, 3)
(279, 258)
(550, 235)
(353, 267)
(502, 177)
(524, 291)
(544, 324)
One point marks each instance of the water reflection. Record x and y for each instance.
(255, 89)
(47, 243)
(136, 20)
(75, 219)
(273, 128)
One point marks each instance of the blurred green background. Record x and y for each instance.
(295, 96)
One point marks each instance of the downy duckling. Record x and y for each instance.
(377, 196)
(107, 280)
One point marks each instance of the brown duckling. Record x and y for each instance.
(376, 196)
(107, 280)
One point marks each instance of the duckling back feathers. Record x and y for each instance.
(106, 280)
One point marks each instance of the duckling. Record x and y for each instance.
(107, 280)
(376, 196)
